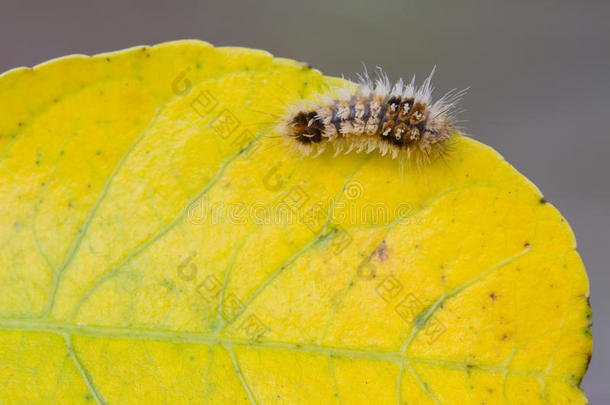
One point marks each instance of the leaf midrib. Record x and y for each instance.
(62, 328)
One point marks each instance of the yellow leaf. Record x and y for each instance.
(160, 244)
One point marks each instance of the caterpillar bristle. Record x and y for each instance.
(396, 120)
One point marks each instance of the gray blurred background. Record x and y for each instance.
(538, 71)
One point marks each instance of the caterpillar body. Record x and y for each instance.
(398, 120)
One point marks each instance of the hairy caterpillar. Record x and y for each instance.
(399, 120)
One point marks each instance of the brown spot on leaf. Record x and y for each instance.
(382, 251)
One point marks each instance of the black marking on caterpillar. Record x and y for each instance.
(399, 120)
